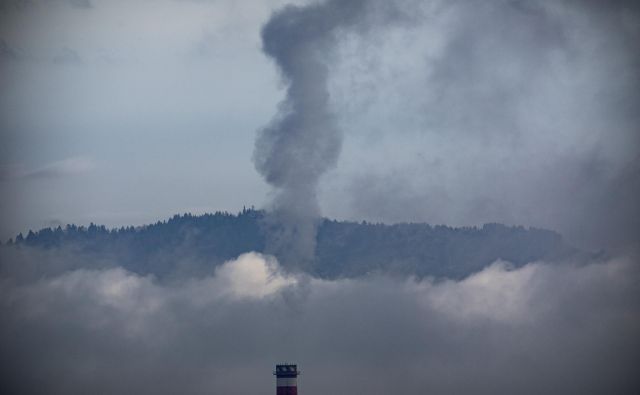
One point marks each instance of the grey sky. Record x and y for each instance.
(127, 112)
(516, 112)
(162, 99)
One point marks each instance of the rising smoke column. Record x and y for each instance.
(303, 140)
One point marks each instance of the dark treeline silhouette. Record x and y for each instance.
(188, 244)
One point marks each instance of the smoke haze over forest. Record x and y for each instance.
(448, 196)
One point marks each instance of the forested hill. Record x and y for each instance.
(193, 244)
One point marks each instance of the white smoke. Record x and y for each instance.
(303, 140)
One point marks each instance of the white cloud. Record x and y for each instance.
(252, 275)
(72, 166)
(552, 328)
(496, 293)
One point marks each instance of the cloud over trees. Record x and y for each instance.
(541, 328)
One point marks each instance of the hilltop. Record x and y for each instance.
(190, 244)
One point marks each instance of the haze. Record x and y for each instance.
(455, 112)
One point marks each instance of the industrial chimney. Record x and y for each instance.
(287, 379)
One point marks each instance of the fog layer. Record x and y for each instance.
(543, 328)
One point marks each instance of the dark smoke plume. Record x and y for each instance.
(303, 140)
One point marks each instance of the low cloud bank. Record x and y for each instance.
(542, 328)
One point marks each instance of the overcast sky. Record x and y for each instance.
(126, 112)
(456, 112)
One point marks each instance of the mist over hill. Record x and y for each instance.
(194, 245)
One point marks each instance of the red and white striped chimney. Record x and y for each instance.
(287, 379)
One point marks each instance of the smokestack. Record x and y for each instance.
(287, 379)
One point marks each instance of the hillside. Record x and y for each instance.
(187, 244)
